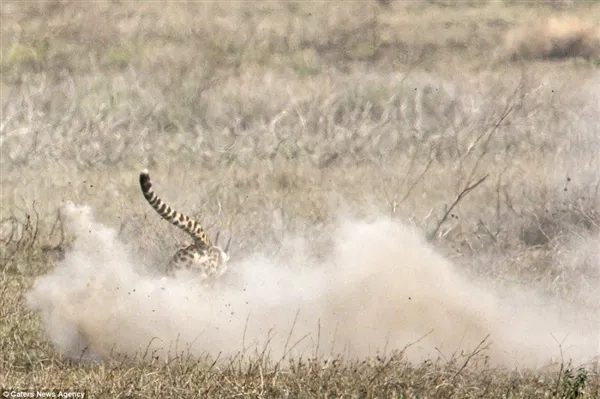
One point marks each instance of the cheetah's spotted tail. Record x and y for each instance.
(187, 224)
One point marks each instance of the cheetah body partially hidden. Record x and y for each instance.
(207, 261)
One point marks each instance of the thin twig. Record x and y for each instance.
(460, 196)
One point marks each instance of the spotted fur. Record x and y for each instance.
(206, 260)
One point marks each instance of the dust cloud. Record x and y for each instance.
(380, 288)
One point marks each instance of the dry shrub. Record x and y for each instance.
(556, 37)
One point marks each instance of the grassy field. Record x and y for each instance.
(466, 133)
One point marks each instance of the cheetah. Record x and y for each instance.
(206, 260)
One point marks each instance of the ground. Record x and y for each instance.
(474, 123)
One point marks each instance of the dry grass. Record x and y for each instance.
(558, 37)
(273, 119)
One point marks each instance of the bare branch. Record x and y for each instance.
(460, 196)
